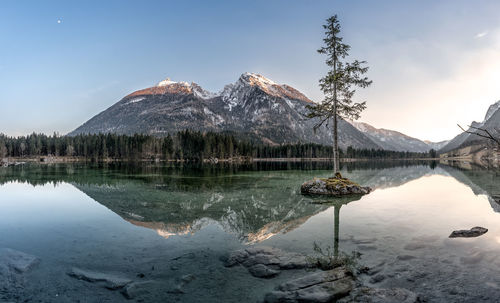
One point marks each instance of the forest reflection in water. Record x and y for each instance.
(253, 201)
(101, 217)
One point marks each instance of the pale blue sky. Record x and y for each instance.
(433, 63)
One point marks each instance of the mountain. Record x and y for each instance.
(436, 145)
(491, 123)
(481, 181)
(393, 140)
(254, 107)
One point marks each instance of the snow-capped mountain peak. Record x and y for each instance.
(165, 82)
(168, 86)
(256, 79)
(193, 87)
(233, 93)
(168, 82)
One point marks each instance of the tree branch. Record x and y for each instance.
(487, 136)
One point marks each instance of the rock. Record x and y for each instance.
(336, 186)
(187, 278)
(321, 286)
(13, 265)
(262, 271)
(108, 281)
(265, 262)
(427, 238)
(375, 269)
(416, 275)
(364, 241)
(367, 247)
(16, 260)
(405, 257)
(236, 257)
(377, 279)
(415, 246)
(473, 232)
(473, 258)
(383, 295)
(455, 290)
(183, 281)
(189, 255)
(176, 290)
(138, 289)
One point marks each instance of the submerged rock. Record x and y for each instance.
(263, 271)
(108, 281)
(377, 279)
(321, 286)
(469, 233)
(13, 267)
(183, 281)
(13, 260)
(383, 295)
(405, 257)
(336, 186)
(139, 289)
(266, 262)
(415, 246)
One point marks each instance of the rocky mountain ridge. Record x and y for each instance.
(254, 107)
(393, 140)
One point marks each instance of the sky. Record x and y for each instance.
(433, 63)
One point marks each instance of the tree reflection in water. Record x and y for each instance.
(337, 204)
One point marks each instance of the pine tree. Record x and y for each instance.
(338, 85)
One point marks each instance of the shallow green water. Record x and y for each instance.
(161, 223)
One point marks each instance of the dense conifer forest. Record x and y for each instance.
(184, 145)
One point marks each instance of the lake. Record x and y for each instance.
(171, 226)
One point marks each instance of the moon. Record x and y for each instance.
(59, 21)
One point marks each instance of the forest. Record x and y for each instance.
(184, 145)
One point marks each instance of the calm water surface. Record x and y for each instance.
(162, 223)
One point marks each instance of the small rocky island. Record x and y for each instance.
(334, 186)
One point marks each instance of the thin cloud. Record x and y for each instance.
(481, 35)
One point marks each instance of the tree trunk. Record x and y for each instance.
(335, 133)
(336, 224)
(336, 161)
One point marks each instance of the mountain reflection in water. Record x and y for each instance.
(176, 200)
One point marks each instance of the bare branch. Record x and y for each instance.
(487, 136)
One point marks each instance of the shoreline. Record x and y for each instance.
(11, 161)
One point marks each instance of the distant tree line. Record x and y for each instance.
(184, 145)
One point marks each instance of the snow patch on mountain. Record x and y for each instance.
(216, 119)
(202, 93)
(167, 82)
(135, 100)
(193, 88)
(290, 103)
